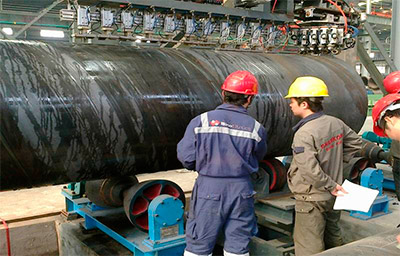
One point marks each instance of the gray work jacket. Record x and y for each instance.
(395, 149)
(320, 146)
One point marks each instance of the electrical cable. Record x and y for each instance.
(284, 46)
(342, 12)
(356, 31)
(95, 29)
(209, 28)
(116, 29)
(7, 237)
(273, 7)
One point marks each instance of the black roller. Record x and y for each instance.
(85, 112)
(109, 192)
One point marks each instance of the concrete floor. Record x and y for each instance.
(354, 229)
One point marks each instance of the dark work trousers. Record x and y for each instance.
(221, 205)
(396, 176)
(316, 227)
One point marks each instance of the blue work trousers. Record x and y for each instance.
(221, 205)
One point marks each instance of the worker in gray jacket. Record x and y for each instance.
(321, 143)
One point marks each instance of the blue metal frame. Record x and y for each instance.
(138, 242)
(388, 183)
(373, 178)
(165, 211)
(372, 137)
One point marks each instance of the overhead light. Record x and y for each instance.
(372, 55)
(52, 33)
(138, 41)
(362, 3)
(8, 31)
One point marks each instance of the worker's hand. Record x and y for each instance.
(336, 190)
(398, 238)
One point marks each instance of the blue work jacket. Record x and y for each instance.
(225, 142)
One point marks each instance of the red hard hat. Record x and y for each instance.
(392, 82)
(381, 106)
(242, 82)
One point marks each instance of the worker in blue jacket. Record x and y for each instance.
(224, 146)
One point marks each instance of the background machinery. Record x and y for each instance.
(311, 26)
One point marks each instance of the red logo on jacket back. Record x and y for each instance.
(334, 141)
(215, 123)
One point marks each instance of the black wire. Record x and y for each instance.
(178, 25)
(351, 7)
(196, 31)
(73, 5)
(137, 25)
(116, 29)
(94, 29)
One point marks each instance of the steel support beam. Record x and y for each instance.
(367, 40)
(39, 15)
(373, 19)
(379, 45)
(25, 14)
(369, 6)
(395, 36)
(206, 9)
(370, 66)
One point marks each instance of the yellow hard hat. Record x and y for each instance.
(307, 86)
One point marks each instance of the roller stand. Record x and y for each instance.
(373, 178)
(166, 225)
(164, 212)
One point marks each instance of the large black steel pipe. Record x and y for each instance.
(85, 112)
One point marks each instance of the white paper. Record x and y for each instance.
(359, 198)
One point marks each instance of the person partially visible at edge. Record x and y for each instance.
(392, 85)
(320, 146)
(224, 146)
(386, 120)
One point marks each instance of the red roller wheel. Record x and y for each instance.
(273, 176)
(138, 198)
(276, 171)
(281, 173)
